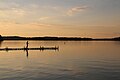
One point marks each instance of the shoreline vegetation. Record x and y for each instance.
(2, 38)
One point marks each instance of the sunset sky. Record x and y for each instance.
(80, 18)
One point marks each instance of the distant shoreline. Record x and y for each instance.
(2, 38)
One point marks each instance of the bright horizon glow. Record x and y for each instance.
(77, 18)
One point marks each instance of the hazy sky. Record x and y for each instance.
(85, 18)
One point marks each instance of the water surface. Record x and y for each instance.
(85, 60)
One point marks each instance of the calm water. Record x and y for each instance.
(74, 61)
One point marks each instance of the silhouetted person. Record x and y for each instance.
(27, 45)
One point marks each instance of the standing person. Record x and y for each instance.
(27, 45)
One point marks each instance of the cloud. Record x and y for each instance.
(19, 12)
(44, 18)
(11, 9)
(75, 10)
(41, 24)
(13, 12)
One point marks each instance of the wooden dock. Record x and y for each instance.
(27, 48)
(40, 48)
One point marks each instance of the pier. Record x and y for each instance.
(27, 48)
(41, 48)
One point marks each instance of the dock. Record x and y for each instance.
(27, 48)
(40, 48)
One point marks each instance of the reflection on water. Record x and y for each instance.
(27, 53)
(26, 48)
(75, 61)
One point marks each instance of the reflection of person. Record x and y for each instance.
(27, 44)
(27, 49)
(27, 53)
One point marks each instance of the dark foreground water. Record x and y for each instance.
(74, 61)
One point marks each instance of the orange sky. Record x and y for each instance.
(93, 18)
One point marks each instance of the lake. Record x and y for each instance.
(80, 60)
